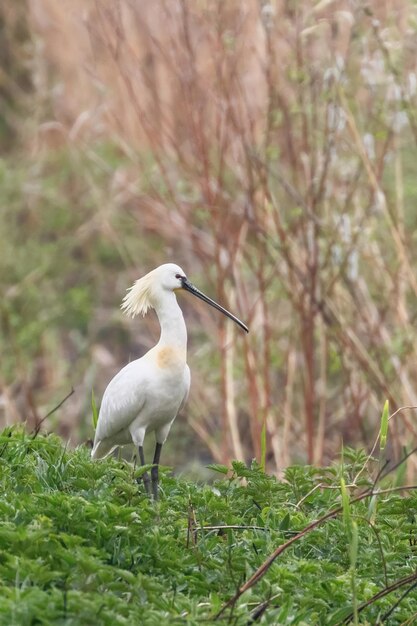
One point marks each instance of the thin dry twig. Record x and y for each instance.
(384, 592)
(369, 457)
(231, 527)
(39, 424)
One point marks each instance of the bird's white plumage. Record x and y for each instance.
(139, 297)
(147, 394)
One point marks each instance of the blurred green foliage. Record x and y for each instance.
(59, 262)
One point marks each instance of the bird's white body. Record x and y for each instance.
(147, 394)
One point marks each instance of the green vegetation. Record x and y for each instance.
(81, 544)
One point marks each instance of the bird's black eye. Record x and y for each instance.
(178, 276)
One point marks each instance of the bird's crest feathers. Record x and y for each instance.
(139, 297)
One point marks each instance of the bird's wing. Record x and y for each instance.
(187, 375)
(122, 401)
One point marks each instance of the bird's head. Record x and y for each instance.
(148, 291)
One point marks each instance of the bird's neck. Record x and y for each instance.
(173, 329)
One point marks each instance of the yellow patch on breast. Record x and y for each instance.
(168, 356)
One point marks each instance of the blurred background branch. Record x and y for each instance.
(268, 148)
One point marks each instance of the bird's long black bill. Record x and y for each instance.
(196, 292)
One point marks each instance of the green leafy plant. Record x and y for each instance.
(81, 543)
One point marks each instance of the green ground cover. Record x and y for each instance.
(80, 543)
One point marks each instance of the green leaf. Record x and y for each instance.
(217, 467)
(285, 522)
(94, 409)
(240, 468)
(384, 426)
(338, 616)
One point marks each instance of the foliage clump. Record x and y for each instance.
(80, 543)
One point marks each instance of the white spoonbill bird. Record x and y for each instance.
(147, 394)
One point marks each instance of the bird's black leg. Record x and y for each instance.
(145, 476)
(155, 470)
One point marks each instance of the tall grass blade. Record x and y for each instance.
(263, 446)
(353, 554)
(353, 547)
(384, 426)
(345, 504)
(94, 409)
